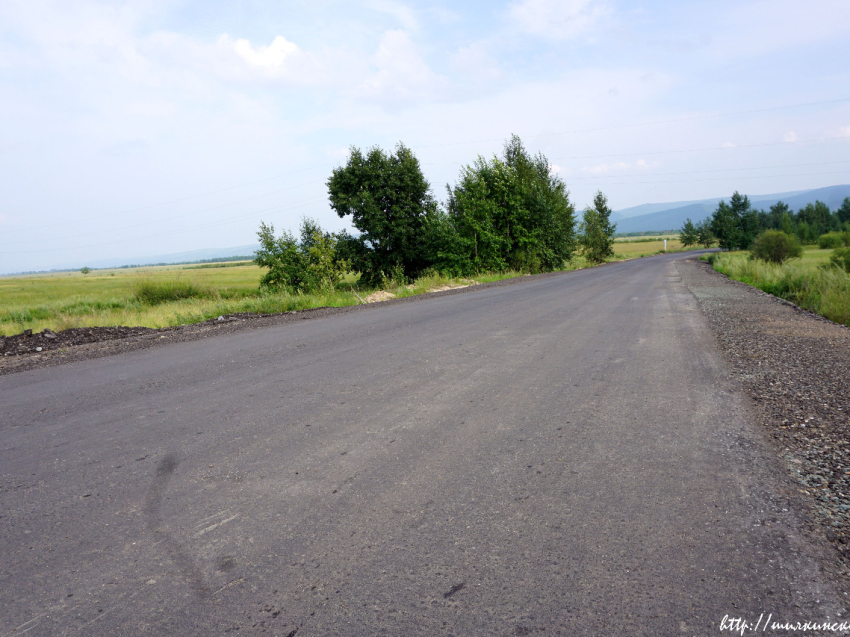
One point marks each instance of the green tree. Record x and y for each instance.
(507, 212)
(776, 246)
(818, 217)
(85, 269)
(735, 224)
(688, 235)
(705, 237)
(388, 199)
(844, 211)
(597, 231)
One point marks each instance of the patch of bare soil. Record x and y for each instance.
(450, 286)
(795, 366)
(378, 296)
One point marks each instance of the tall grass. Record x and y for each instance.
(811, 285)
(151, 292)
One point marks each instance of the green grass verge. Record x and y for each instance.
(808, 281)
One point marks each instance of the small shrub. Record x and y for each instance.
(775, 246)
(155, 292)
(314, 263)
(85, 270)
(841, 258)
(831, 240)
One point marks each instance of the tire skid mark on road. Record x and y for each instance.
(103, 614)
(153, 504)
(209, 518)
(15, 631)
(215, 526)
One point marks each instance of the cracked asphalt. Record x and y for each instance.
(568, 455)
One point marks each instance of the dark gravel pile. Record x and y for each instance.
(27, 342)
(796, 367)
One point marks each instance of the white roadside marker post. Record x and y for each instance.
(665, 245)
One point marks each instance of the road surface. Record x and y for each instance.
(565, 455)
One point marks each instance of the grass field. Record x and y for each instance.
(121, 296)
(808, 281)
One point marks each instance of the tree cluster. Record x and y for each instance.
(736, 225)
(508, 212)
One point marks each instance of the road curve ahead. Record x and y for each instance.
(565, 455)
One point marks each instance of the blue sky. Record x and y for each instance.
(143, 128)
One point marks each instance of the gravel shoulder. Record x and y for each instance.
(795, 366)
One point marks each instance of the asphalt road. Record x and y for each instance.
(565, 455)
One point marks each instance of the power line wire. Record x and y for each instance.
(653, 123)
(182, 230)
(194, 212)
(718, 170)
(199, 195)
(685, 181)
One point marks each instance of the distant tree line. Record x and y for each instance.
(775, 234)
(505, 213)
(736, 224)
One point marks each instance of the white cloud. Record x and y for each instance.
(604, 169)
(642, 164)
(337, 153)
(761, 26)
(270, 57)
(727, 145)
(557, 19)
(476, 63)
(402, 74)
(400, 12)
(618, 168)
(844, 130)
(555, 169)
(790, 136)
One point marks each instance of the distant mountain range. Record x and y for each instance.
(671, 216)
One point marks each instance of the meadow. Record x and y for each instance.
(163, 296)
(808, 281)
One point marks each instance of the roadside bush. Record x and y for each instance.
(841, 258)
(313, 263)
(775, 246)
(155, 292)
(831, 240)
(285, 262)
